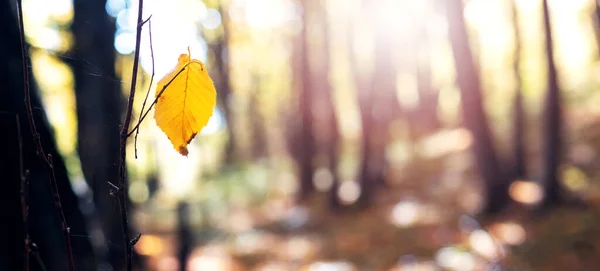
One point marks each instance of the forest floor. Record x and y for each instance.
(421, 224)
(517, 239)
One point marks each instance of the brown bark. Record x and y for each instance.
(473, 113)
(551, 145)
(220, 52)
(99, 107)
(518, 137)
(306, 134)
(328, 141)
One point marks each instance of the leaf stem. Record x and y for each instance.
(137, 126)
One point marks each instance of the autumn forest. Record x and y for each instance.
(338, 135)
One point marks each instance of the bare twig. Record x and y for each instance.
(149, 86)
(38, 258)
(24, 196)
(137, 126)
(123, 142)
(47, 158)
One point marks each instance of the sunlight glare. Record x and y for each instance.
(48, 38)
(126, 20)
(113, 7)
(574, 178)
(407, 91)
(149, 245)
(166, 263)
(209, 262)
(331, 266)
(445, 142)
(405, 213)
(212, 19)
(61, 8)
(215, 123)
(349, 192)
(510, 233)
(526, 192)
(138, 192)
(415, 265)
(298, 248)
(323, 179)
(484, 244)
(262, 14)
(125, 42)
(454, 259)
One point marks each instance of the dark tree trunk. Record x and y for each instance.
(365, 102)
(473, 112)
(596, 19)
(551, 124)
(259, 134)
(184, 234)
(99, 108)
(223, 85)
(328, 141)
(306, 134)
(380, 91)
(518, 144)
(44, 225)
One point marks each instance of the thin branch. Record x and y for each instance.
(24, 196)
(47, 158)
(38, 258)
(149, 86)
(123, 142)
(137, 126)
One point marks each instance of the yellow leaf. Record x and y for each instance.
(186, 103)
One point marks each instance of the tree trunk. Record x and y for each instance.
(596, 19)
(551, 145)
(221, 54)
(473, 112)
(185, 235)
(518, 144)
(44, 226)
(306, 139)
(99, 108)
(329, 138)
(259, 134)
(376, 119)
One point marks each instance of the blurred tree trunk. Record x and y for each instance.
(184, 234)
(257, 120)
(220, 52)
(329, 134)
(99, 108)
(551, 145)
(518, 144)
(44, 226)
(376, 119)
(474, 118)
(306, 138)
(596, 19)
(426, 112)
(365, 102)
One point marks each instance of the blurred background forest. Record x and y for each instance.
(349, 135)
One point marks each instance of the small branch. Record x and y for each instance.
(122, 195)
(38, 143)
(38, 258)
(149, 86)
(24, 196)
(137, 126)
